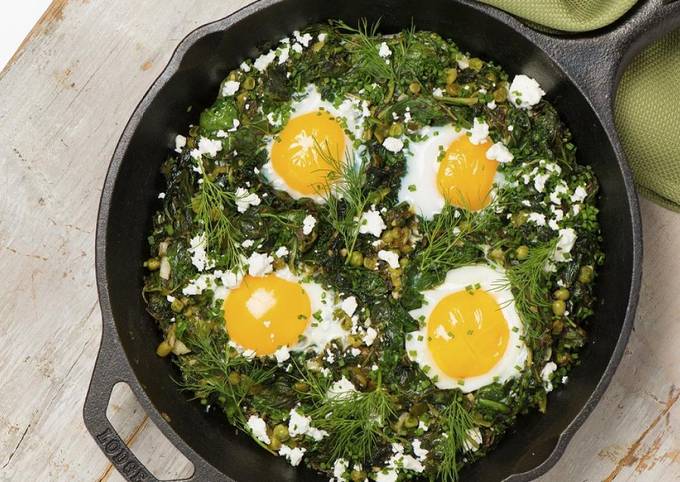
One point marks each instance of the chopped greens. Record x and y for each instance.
(346, 398)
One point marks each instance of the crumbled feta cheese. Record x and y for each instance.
(437, 92)
(161, 195)
(282, 354)
(491, 105)
(302, 425)
(479, 131)
(199, 256)
(297, 47)
(498, 152)
(259, 264)
(247, 243)
(372, 223)
(384, 51)
(245, 199)
(262, 62)
(560, 189)
(230, 87)
(244, 67)
(340, 390)
(294, 455)
(422, 426)
(463, 62)
(339, 468)
(474, 439)
(566, 240)
(322, 37)
(274, 119)
(303, 39)
(281, 252)
(546, 375)
(537, 218)
(393, 144)
(284, 53)
(370, 336)
(387, 475)
(390, 257)
(525, 92)
(206, 146)
(418, 451)
(258, 428)
(349, 305)
(235, 125)
(180, 142)
(540, 180)
(579, 195)
(308, 224)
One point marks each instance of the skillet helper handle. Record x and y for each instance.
(108, 371)
(596, 60)
(111, 368)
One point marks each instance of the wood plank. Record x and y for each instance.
(66, 98)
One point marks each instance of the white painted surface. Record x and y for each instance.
(17, 17)
(84, 72)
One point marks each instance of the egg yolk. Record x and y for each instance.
(266, 312)
(465, 175)
(467, 333)
(295, 155)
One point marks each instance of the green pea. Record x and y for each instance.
(453, 89)
(301, 387)
(561, 294)
(177, 306)
(476, 64)
(519, 218)
(357, 475)
(346, 323)
(164, 349)
(411, 421)
(370, 263)
(451, 76)
(249, 83)
(522, 252)
(152, 264)
(317, 46)
(234, 378)
(281, 433)
(275, 444)
(559, 307)
(396, 129)
(500, 94)
(414, 87)
(497, 255)
(585, 274)
(356, 259)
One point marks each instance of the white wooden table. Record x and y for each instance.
(64, 99)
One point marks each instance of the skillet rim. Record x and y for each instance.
(111, 339)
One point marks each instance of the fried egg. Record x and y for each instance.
(265, 313)
(470, 334)
(316, 131)
(449, 165)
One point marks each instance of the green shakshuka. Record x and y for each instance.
(374, 253)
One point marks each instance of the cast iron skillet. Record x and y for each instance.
(580, 75)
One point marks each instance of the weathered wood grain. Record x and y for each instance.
(64, 100)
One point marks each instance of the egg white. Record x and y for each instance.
(351, 112)
(494, 282)
(419, 187)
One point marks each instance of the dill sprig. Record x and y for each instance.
(344, 194)
(363, 43)
(443, 236)
(355, 421)
(528, 281)
(456, 425)
(210, 206)
(213, 371)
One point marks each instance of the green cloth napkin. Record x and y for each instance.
(647, 110)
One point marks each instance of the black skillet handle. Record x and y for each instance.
(111, 368)
(596, 60)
